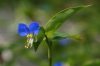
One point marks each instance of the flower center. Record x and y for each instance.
(29, 41)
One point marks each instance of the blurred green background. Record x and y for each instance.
(85, 23)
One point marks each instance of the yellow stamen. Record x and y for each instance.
(26, 47)
(28, 40)
(30, 35)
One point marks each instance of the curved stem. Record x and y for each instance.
(49, 43)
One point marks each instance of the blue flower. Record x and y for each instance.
(29, 32)
(64, 42)
(58, 64)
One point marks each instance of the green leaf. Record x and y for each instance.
(40, 37)
(57, 20)
(59, 36)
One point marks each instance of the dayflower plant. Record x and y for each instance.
(48, 31)
(29, 32)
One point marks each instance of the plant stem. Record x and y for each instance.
(50, 54)
(49, 43)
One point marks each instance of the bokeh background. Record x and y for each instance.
(70, 52)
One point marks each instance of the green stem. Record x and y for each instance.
(50, 54)
(49, 43)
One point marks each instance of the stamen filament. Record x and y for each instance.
(29, 42)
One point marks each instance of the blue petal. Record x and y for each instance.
(23, 30)
(34, 27)
(36, 32)
(58, 64)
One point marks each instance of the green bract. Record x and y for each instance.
(40, 37)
